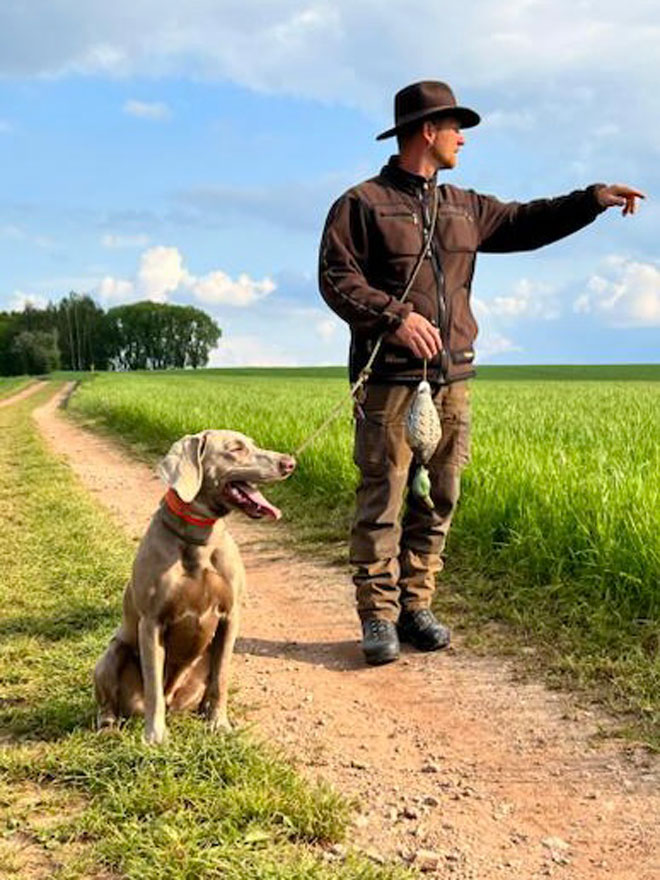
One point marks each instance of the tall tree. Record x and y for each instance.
(81, 325)
(157, 336)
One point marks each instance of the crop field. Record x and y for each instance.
(557, 532)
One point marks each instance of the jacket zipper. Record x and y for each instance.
(440, 287)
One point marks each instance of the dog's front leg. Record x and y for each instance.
(214, 703)
(152, 660)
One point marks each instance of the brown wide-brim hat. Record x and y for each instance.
(422, 100)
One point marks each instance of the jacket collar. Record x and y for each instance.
(406, 180)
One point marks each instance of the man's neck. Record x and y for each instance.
(419, 164)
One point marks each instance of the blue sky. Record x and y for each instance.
(189, 152)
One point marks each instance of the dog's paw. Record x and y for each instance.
(220, 724)
(215, 714)
(155, 736)
(105, 721)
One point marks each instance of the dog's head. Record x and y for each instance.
(219, 471)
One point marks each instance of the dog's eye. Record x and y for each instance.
(237, 448)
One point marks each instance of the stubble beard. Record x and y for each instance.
(444, 160)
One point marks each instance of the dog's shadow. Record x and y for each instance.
(331, 655)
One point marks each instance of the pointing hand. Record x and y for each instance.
(619, 194)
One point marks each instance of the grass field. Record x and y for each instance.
(76, 804)
(557, 532)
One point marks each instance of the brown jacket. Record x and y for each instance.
(370, 244)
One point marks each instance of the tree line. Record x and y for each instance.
(77, 334)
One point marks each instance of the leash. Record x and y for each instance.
(365, 372)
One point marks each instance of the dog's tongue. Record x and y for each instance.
(261, 505)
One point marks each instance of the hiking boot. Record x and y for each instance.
(379, 641)
(422, 629)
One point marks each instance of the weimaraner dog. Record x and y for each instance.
(181, 605)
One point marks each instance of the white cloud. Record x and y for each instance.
(115, 288)
(101, 58)
(518, 120)
(324, 49)
(110, 240)
(326, 326)
(492, 344)
(161, 272)
(527, 299)
(218, 287)
(157, 111)
(597, 72)
(21, 300)
(628, 295)
(249, 351)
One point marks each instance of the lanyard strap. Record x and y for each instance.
(365, 372)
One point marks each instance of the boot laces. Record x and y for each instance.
(378, 628)
(423, 617)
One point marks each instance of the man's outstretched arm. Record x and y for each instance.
(516, 226)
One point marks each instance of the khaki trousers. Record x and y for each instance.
(395, 558)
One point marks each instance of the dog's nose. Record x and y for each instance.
(287, 464)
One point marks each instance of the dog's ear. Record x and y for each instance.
(181, 468)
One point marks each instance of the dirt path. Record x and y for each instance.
(31, 389)
(445, 752)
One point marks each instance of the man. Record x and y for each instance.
(374, 237)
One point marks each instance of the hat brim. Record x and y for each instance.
(466, 117)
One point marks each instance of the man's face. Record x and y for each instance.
(446, 142)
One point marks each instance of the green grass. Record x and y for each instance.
(202, 806)
(12, 384)
(572, 373)
(557, 533)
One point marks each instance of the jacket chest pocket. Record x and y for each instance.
(457, 230)
(400, 231)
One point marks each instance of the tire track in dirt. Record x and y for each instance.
(445, 752)
(31, 389)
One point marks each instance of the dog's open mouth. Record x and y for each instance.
(249, 499)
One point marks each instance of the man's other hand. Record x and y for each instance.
(619, 194)
(419, 335)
